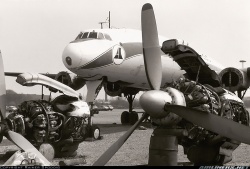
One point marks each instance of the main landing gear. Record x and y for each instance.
(129, 117)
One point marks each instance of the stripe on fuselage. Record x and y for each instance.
(131, 49)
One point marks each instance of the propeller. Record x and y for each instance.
(16, 138)
(2, 90)
(154, 102)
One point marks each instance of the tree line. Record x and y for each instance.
(14, 99)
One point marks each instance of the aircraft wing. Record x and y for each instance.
(15, 74)
(31, 79)
(190, 61)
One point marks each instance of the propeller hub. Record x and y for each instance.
(153, 102)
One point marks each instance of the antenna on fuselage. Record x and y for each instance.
(107, 21)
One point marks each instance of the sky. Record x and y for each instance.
(33, 33)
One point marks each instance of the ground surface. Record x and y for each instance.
(135, 149)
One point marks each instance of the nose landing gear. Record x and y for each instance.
(129, 117)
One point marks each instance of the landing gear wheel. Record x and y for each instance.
(95, 132)
(125, 117)
(133, 117)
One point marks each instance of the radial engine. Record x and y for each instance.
(56, 123)
(200, 145)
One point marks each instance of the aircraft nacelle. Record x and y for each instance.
(112, 89)
(234, 79)
(71, 80)
(116, 89)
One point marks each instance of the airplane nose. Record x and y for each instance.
(72, 55)
(84, 53)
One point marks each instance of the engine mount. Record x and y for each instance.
(71, 80)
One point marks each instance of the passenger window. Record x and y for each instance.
(100, 36)
(107, 36)
(93, 35)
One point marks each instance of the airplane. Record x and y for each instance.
(116, 60)
(201, 115)
(113, 58)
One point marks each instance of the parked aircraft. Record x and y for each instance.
(203, 114)
(196, 111)
(113, 58)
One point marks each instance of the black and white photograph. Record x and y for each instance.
(125, 83)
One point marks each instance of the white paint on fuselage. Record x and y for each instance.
(132, 70)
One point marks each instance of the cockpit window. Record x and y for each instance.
(100, 36)
(107, 36)
(79, 36)
(93, 35)
(85, 35)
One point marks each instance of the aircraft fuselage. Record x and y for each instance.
(117, 54)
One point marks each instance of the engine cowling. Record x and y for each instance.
(112, 89)
(71, 80)
(234, 79)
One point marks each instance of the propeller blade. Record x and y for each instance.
(25, 145)
(151, 48)
(108, 154)
(214, 123)
(2, 90)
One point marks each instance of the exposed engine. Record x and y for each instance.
(41, 122)
(234, 79)
(213, 100)
(216, 101)
(70, 80)
(197, 140)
